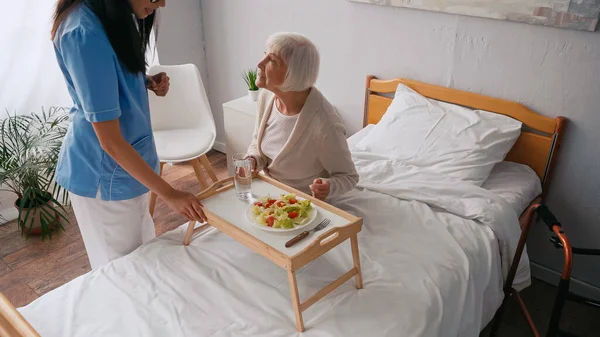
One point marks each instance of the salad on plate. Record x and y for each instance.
(285, 212)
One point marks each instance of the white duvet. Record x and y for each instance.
(457, 198)
(433, 254)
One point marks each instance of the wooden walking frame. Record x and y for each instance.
(319, 246)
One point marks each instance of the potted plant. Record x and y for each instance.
(29, 147)
(250, 79)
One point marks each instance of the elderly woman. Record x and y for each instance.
(299, 139)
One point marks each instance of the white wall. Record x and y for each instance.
(30, 76)
(180, 37)
(553, 71)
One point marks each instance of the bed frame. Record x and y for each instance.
(12, 324)
(537, 147)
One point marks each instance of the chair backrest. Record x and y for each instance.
(186, 104)
(12, 323)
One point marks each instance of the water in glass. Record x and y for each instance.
(243, 176)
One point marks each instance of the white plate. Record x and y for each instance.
(250, 219)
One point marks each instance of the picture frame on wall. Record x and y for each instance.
(570, 14)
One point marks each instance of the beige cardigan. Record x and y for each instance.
(317, 147)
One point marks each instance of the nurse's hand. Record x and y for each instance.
(158, 83)
(186, 204)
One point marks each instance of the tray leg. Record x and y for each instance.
(356, 258)
(296, 300)
(190, 232)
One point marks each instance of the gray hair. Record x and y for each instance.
(300, 55)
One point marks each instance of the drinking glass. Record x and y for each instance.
(243, 176)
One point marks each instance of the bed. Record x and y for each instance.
(436, 253)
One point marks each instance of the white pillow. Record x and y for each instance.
(359, 135)
(516, 183)
(442, 137)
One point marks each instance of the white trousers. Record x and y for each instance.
(111, 229)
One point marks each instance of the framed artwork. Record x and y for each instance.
(570, 14)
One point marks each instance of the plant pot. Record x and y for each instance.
(253, 94)
(34, 213)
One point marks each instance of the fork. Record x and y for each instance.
(304, 234)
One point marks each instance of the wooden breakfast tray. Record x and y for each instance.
(227, 213)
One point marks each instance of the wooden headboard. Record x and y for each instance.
(536, 147)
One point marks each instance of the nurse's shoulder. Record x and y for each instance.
(81, 23)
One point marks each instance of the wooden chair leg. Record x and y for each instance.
(295, 300)
(153, 196)
(206, 163)
(356, 258)
(197, 164)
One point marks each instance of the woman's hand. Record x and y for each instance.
(241, 172)
(186, 204)
(158, 83)
(253, 165)
(320, 189)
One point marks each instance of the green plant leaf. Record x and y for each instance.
(249, 77)
(60, 214)
(24, 201)
(29, 150)
(44, 225)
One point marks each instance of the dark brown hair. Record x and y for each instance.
(128, 35)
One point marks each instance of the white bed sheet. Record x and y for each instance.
(217, 287)
(427, 272)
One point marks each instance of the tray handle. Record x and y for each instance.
(215, 188)
(330, 239)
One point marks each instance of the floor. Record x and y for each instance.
(577, 319)
(30, 267)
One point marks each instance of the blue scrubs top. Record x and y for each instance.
(102, 89)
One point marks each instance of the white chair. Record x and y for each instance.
(182, 122)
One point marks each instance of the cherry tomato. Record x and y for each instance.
(281, 204)
(293, 201)
(259, 204)
(270, 221)
(293, 214)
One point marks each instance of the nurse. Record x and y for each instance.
(108, 160)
